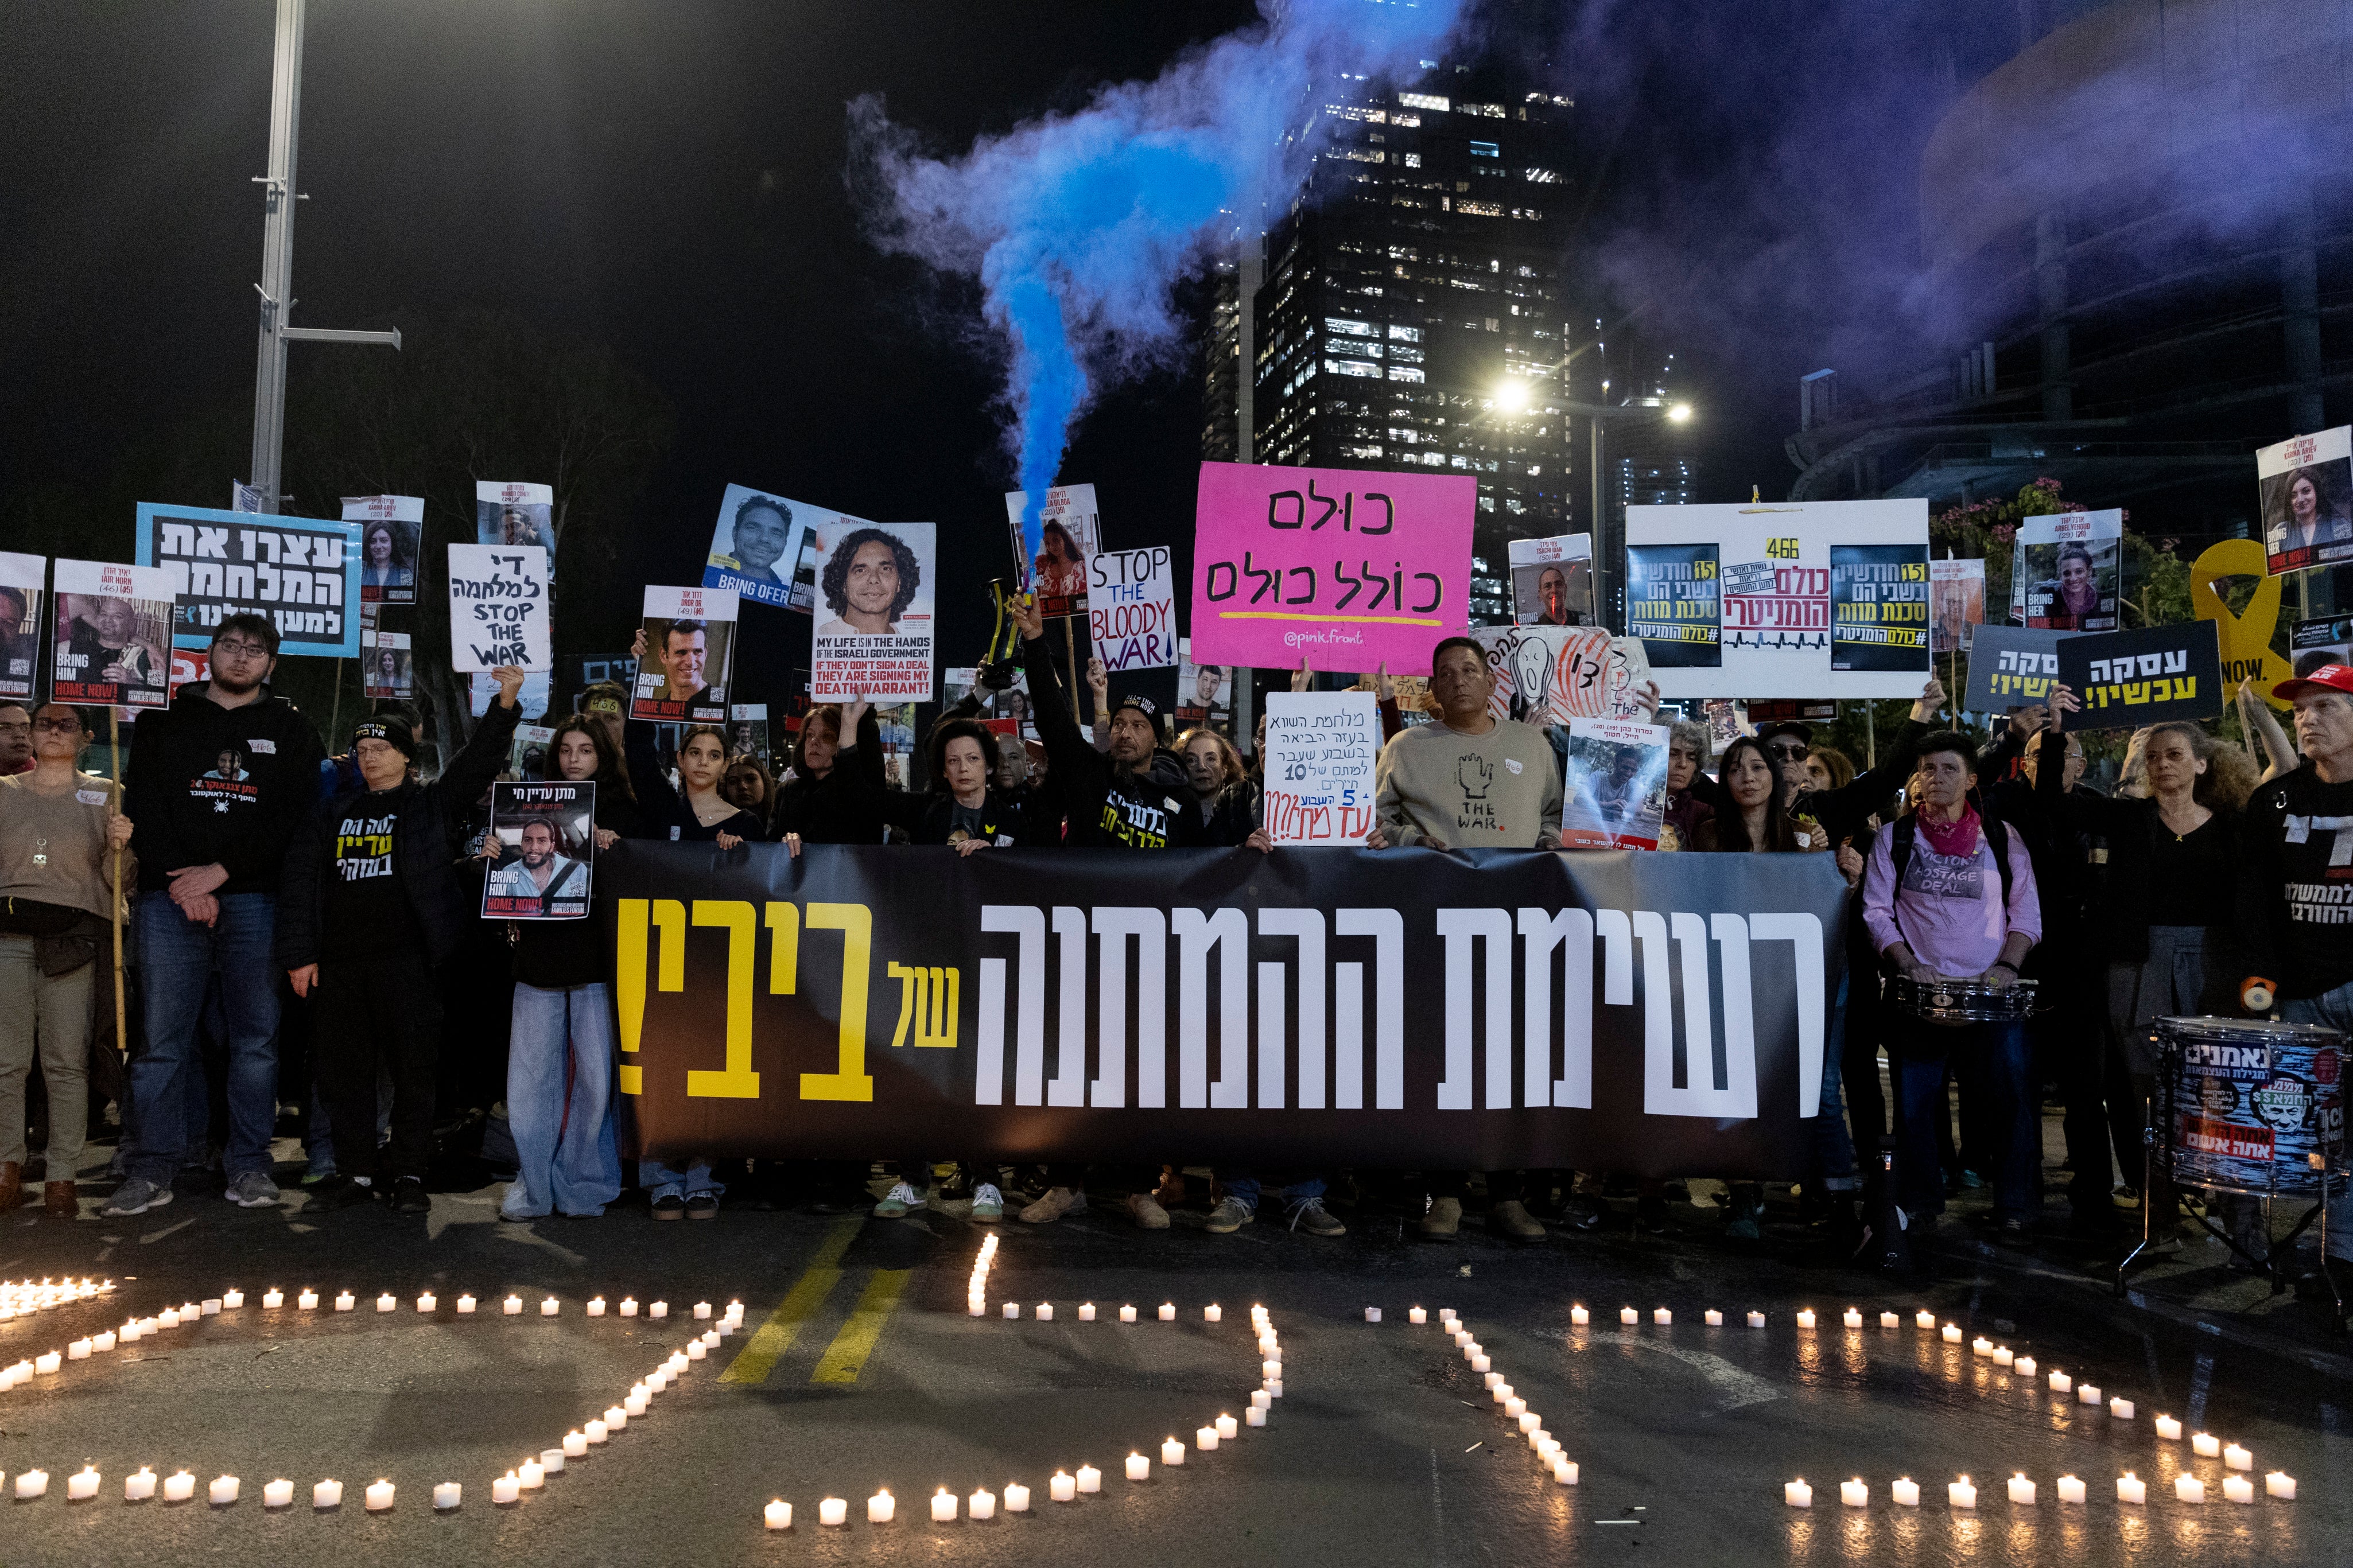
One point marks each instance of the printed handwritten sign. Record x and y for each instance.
(1131, 608)
(2146, 676)
(2011, 667)
(497, 607)
(1320, 747)
(1350, 567)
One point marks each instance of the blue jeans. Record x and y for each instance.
(2333, 1010)
(177, 958)
(661, 1180)
(559, 1101)
(1243, 1187)
(2005, 1075)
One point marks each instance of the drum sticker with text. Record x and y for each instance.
(2284, 1103)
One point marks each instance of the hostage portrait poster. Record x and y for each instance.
(759, 548)
(546, 839)
(874, 620)
(689, 648)
(2070, 570)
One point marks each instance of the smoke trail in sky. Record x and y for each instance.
(1078, 225)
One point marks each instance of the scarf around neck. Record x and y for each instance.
(1957, 840)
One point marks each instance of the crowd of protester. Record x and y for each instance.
(302, 937)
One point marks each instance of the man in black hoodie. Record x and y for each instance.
(371, 909)
(209, 842)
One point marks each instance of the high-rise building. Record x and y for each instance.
(1413, 311)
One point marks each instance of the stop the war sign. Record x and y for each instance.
(1131, 608)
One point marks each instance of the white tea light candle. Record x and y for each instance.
(2131, 1488)
(344, 1302)
(1017, 1498)
(1090, 1479)
(2187, 1488)
(2238, 1459)
(2206, 1446)
(777, 1515)
(36, 1483)
(2238, 1489)
(222, 1492)
(2022, 1490)
(2169, 1428)
(278, 1493)
(944, 1507)
(1961, 1493)
(2281, 1485)
(2122, 1409)
(1905, 1492)
(1061, 1487)
(1854, 1493)
(179, 1487)
(448, 1495)
(1797, 1494)
(982, 1504)
(138, 1488)
(2072, 1490)
(82, 1486)
(327, 1494)
(833, 1510)
(1138, 1468)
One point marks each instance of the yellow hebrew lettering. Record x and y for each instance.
(668, 916)
(850, 1080)
(737, 1080)
(930, 1001)
(784, 948)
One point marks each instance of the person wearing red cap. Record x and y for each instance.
(2296, 881)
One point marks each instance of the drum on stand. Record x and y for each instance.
(1956, 1000)
(2253, 1107)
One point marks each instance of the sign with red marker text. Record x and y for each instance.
(1131, 608)
(1774, 570)
(1347, 567)
(1320, 750)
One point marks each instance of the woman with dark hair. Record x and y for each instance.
(560, 1057)
(1224, 795)
(380, 553)
(1061, 566)
(2313, 517)
(835, 794)
(695, 812)
(868, 581)
(1829, 768)
(1754, 817)
(747, 783)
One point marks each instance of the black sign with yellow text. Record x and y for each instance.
(1655, 1015)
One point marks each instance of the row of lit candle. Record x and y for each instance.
(1514, 1408)
(22, 1298)
(1905, 1492)
(221, 1491)
(1063, 1485)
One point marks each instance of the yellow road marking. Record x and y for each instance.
(760, 1353)
(842, 1360)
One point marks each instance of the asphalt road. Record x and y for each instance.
(860, 1369)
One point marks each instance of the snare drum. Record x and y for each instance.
(2253, 1101)
(1953, 1000)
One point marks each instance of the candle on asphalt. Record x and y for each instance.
(32, 1484)
(1890, 1321)
(531, 1473)
(138, 1488)
(1206, 1438)
(575, 1444)
(1017, 1498)
(222, 1492)
(1952, 1334)
(777, 1515)
(1255, 1415)
(273, 1298)
(448, 1495)
(1138, 1468)
(1797, 1494)
(1416, 1316)
(1228, 1428)
(426, 1301)
(2072, 1490)
(2122, 1409)
(2169, 1428)
(628, 1306)
(944, 1507)
(549, 1308)
(77, 1350)
(982, 1504)
(278, 1493)
(1045, 1311)
(1579, 1316)
(1260, 1399)
(387, 1302)
(1372, 1314)
(1904, 1491)
(179, 1487)
(701, 1311)
(1715, 1318)
(2131, 1488)
(659, 1311)
(2206, 1446)
(82, 1486)
(2238, 1459)
(1924, 1320)
(1167, 1311)
(1061, 1487)
(833, 1510)
(232, 1300)
(1564, 1471)
(102, 1341)
(1127, 1314)
(552, 1460)
(1086, 1311)
(1012, 1309)
(2281, 1485)
(2189, 1488)
(2022, 1490)
(1961, 1493)
(2025, 1366)
(614, 1418)
(308, 1300)
(1755, 1319)
(1090, 1479)
(327, 1494)
(1854, 1493)
(2089, 1393)
(49, 1362)
(345, 1301)
(2003, 1356)
(1661, 1315)
(1172, 1452)
(506, 1489)
(1805, 1317)
(2238, 1489)
(1628, 1315)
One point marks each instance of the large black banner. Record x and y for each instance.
(1648, 1014)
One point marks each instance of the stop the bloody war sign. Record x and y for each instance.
(1131, 608)
(1349, 567)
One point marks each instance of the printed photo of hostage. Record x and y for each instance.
(683, 653)
(873, 635)
(2306, 492)
(2072, 564)
(509, 514)
(1552, 580)
(20, 624)
(390, 528)
(757, 546)
(1204, 692)
(388, 670)
(113, 631)
(1615, 794)
(545, 834)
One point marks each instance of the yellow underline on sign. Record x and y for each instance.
(761, 1353)
(1310, 615)
(842, 1359)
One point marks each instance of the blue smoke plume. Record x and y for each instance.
(1078, 225)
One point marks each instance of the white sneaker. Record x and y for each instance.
(899, 1202)
(987, 1203)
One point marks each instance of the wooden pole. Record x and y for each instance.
(115, 744)
(1071, 657)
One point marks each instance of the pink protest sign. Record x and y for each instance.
(1347, 567)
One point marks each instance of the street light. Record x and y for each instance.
(1680, 413)
(1511, 397)
(1609, 549)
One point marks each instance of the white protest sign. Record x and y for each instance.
(1320, 747)
(1131, 608)
(497, 607)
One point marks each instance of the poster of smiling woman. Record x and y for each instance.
(759, 547)
(873, 635)
(2070, 570)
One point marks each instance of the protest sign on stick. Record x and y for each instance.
(388, 670)
(690, 649)
(2069, 571)
(2305, 484)
(1956, 604)
(1320, 750)
(2011, 667)
(497, 607)
(113, 635)
(390, 528)
(301, 572)
(1070, 538)
(1552, 580)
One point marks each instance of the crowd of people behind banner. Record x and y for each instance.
(258, 869)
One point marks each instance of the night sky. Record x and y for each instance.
(669, 179)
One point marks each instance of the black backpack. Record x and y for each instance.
(1996, 833)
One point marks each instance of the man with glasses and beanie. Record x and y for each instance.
(209, 850)
(373, 906)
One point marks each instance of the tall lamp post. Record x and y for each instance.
(1608, 539)
(278, 265)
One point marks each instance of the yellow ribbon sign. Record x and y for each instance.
(2246, 640)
